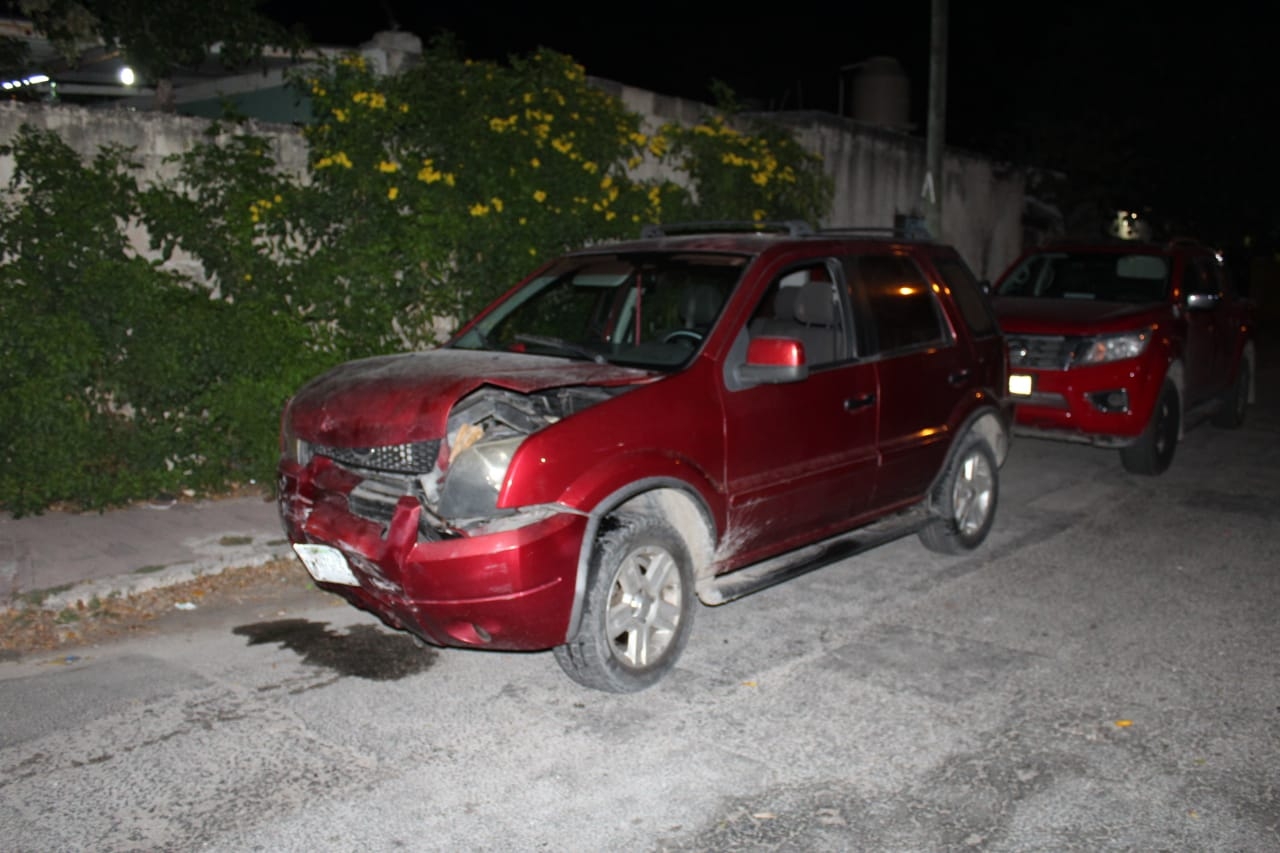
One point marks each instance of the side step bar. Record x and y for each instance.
(736, 584)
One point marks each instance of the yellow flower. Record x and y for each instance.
(535, 163)
(387, 167)
(448, 178)
(393, 192)
(404, 108)
(497, 204)
(360, 97)
(606, 182)
(340, 115)
(248, 276)
(609, 216)
(478, 209)
(377, 101)
(759, 178)
(590, 168)
(757, 215)
(539, 196)
(279, 198)
(564, 146)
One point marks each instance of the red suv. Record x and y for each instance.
(1125, 344)
(641, 426)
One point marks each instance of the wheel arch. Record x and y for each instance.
(676, 501)
(989, 425)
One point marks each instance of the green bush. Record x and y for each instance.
(428, 194)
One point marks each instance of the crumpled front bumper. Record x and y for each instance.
(511, 590)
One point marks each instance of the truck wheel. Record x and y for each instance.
(638, 609)
(1153, 451)
(1236, 400)
(965, 500)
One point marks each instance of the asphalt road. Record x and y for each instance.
(1102, 675)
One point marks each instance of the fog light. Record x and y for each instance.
(469, 633)
(1110, 401)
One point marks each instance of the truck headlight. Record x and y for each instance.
(471, 487)
(1107, 348)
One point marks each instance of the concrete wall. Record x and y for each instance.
(153, 136)
(878, 173)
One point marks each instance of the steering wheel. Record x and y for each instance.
(683, 336)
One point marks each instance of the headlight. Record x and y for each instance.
(1113, 347)
(475, 477)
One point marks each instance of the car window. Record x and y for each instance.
(974, 305)
(904, 311)
(804, 304)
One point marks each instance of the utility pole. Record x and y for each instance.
(935, 142)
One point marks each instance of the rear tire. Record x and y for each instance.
(965, 500)
(1152, 453)
(638, 610)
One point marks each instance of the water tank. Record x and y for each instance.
(882, 93)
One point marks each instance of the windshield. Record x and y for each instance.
(650, 310)
(1083, 275)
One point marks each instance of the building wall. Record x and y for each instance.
(878, 173)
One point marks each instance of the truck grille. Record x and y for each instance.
(1050, 352)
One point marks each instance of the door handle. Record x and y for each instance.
(959, 377)
(860, 402)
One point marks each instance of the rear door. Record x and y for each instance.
(924, 371)
(801, 456)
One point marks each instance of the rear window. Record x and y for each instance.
(904, 310)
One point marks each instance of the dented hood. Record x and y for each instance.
(403, 398)
(1026, 315)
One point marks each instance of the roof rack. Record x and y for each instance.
(906, 231)
(792, 228)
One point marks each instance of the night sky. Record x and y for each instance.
(1173, 112)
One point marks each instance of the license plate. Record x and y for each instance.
(326, 564)
(1020, 384)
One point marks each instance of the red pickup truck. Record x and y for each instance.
(1125, 345)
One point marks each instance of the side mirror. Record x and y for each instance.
(1202, 301)
(773, 361)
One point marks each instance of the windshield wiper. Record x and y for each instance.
(563, 346)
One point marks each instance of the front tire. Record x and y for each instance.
(965, 501)
(1152, 453)
(638, 609)
(1236, 401)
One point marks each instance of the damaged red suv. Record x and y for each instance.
(639, 427)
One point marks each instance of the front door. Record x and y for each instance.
(801, 456)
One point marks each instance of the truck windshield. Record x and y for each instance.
(1080, 275)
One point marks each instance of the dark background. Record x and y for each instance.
(1158, 110)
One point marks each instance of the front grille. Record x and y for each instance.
(1050, 352)
(418, 457)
